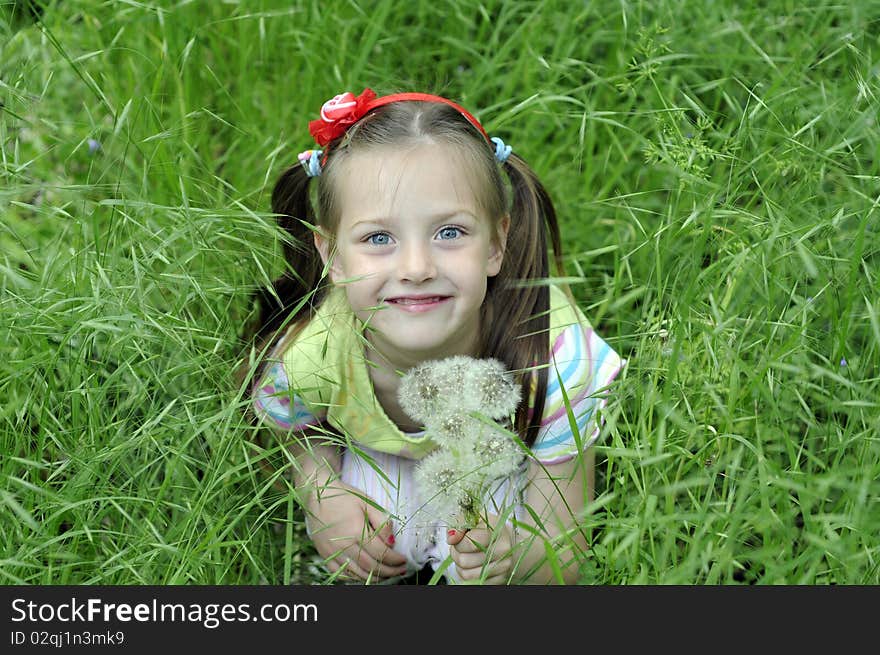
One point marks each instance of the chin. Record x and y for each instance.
(416, 346)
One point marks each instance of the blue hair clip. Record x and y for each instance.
(502, 151)
(311, 161)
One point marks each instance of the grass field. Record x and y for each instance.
(716, 169)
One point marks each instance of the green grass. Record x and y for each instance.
(715, 168)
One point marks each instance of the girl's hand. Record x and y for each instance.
(352, 535)
(482, 554)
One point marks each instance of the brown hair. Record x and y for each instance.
(515, 318)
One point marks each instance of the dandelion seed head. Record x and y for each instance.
(454, 425)
(453, 398)
(420, 393)
(499, 454)
(494, 446)
(444, 478)
(493, 388)
(437, 472)
(441, 487)
(450, 373)
(450, 429)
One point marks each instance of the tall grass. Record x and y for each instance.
(715, 168)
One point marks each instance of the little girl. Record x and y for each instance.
(429, 255)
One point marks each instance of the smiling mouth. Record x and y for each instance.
(423, 300)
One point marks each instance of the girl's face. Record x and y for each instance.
(413, 250)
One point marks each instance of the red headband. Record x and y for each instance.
(342, 111)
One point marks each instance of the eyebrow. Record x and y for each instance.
(437, 218)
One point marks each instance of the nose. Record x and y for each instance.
(416, 263)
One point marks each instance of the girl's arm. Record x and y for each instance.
(557, 493)
(350, 533)
(316, 463)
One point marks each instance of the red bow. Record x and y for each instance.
(338, 114)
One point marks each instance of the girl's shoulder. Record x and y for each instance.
(320, 330)
(310, 353)
(564, 311)
(296, 385)
(575, 346)
(581, 366)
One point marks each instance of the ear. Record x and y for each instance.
(324, 246)
(498, 246)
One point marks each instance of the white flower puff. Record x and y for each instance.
(459, 385)
(464, 404)
(444, 487)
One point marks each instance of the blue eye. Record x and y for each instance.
(379, 239)
(449, 232)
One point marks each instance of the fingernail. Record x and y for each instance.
(391, 540)
(451, 533)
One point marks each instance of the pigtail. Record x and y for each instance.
(290, 202)
(518, 298)
(293, 209)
